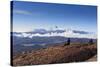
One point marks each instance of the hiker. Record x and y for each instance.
(68, 42)
(90, 42)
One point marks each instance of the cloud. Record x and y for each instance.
(22, 12)
(80, 32)
(67, 33)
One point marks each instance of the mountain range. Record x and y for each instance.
(42, 38)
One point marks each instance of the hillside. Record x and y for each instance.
(56, 54)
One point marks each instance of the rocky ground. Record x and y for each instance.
(57, 54)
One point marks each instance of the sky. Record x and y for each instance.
(28, 16)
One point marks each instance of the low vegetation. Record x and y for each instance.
(56, 54)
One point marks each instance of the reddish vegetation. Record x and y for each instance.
(57, 54)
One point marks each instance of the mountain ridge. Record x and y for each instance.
(57, 54)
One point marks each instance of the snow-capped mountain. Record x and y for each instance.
(58, 32)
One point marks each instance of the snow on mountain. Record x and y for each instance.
(63, 33)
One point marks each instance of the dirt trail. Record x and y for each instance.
(94, 58)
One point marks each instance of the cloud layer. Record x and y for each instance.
(63, 33)
(22, 12)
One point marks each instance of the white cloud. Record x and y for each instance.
(22, 12)
(64, 34)
(67, 33)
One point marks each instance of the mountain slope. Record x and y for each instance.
(57, 54)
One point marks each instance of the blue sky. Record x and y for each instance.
(28, 16)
